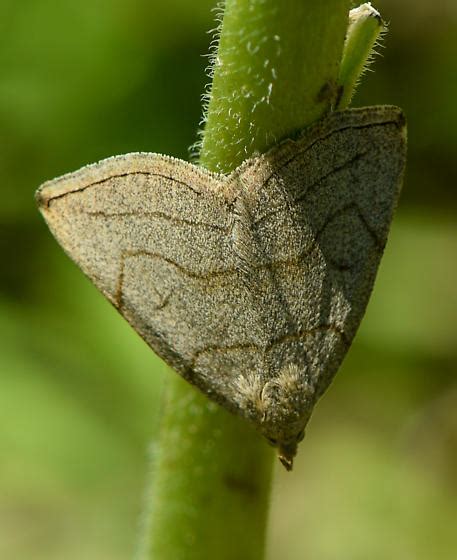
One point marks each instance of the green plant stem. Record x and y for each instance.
(276, 70)
(365, 29)
(211, 479)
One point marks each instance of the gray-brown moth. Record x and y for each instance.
(251, 285)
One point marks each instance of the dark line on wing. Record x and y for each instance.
(95, 183)
(226, 272)
(381, 245)
(143, 214)
(119, 293)
(397, 123)
(182, 269)
(351, 206)
(311, 187)
(305, 149)
(119, 286)
(300, 334)
(291, 337)
(270, 266)
(342, 167)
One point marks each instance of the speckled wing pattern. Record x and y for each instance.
(250, 285)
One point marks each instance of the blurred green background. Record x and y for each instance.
(79, 391)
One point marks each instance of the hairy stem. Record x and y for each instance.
(364, 31)
(275, 71)
(211, 481)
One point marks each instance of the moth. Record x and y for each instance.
(250, 285)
